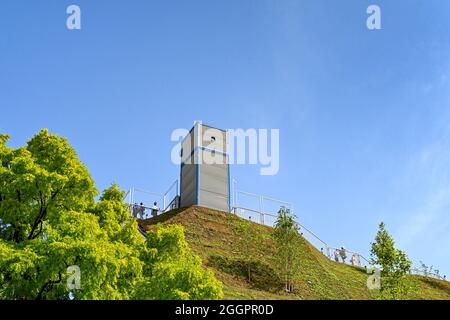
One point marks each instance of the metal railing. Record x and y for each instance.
(267, 207)
(174, 204)
(317, 242)
(264, 210)
(252, 215)
(138, 198)
(170, 196)
(427, 274)
(142, 212)
(348, 257)
(342, 255)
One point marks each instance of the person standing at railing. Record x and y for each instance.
(336, 255)
(142, 210)
(343, 254)
(355, 260)
(135, 210)
(155, 209)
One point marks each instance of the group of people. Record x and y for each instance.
(139, 209)
(342, 253)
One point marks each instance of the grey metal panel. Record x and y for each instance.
(188, 185)
(212, 158)
(214, 178)
(189, 198)
(214, 186)
(187, 147)
(213, 200)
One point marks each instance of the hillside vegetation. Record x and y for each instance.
(213, 235)
(58, 242)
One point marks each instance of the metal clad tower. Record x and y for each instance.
(205, 173)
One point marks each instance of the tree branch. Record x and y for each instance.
(47, 286)
(42, 213)
(40, 217)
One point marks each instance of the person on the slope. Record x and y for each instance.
(155, 209)
(142, 210)
(343, 254)
(336, 255)
(135, 210)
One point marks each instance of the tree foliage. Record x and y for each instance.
(49, 221)
(286, 239)
(39, 181)
(394, 264)
(172, 271)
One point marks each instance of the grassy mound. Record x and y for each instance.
(212, 235)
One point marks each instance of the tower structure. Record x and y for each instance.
(205, 172)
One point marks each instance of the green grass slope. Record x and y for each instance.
(212, 235)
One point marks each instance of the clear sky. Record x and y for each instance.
(364, 116)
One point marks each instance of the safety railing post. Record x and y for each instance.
(261, 214)
(131, 200)
(234, 192)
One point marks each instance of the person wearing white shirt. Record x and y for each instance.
(155, 209)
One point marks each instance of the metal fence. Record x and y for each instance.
(141, 201)
(256, 207)
(170, 197)
(427, 274)
(142, 212)
(346, 256)
(264, 210)
(253, 215)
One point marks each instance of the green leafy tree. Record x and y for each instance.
(173, 272)
(50, 221)
(287, 244)
(394, 264)
(39, 181)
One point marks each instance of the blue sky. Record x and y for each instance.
(364, 116)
